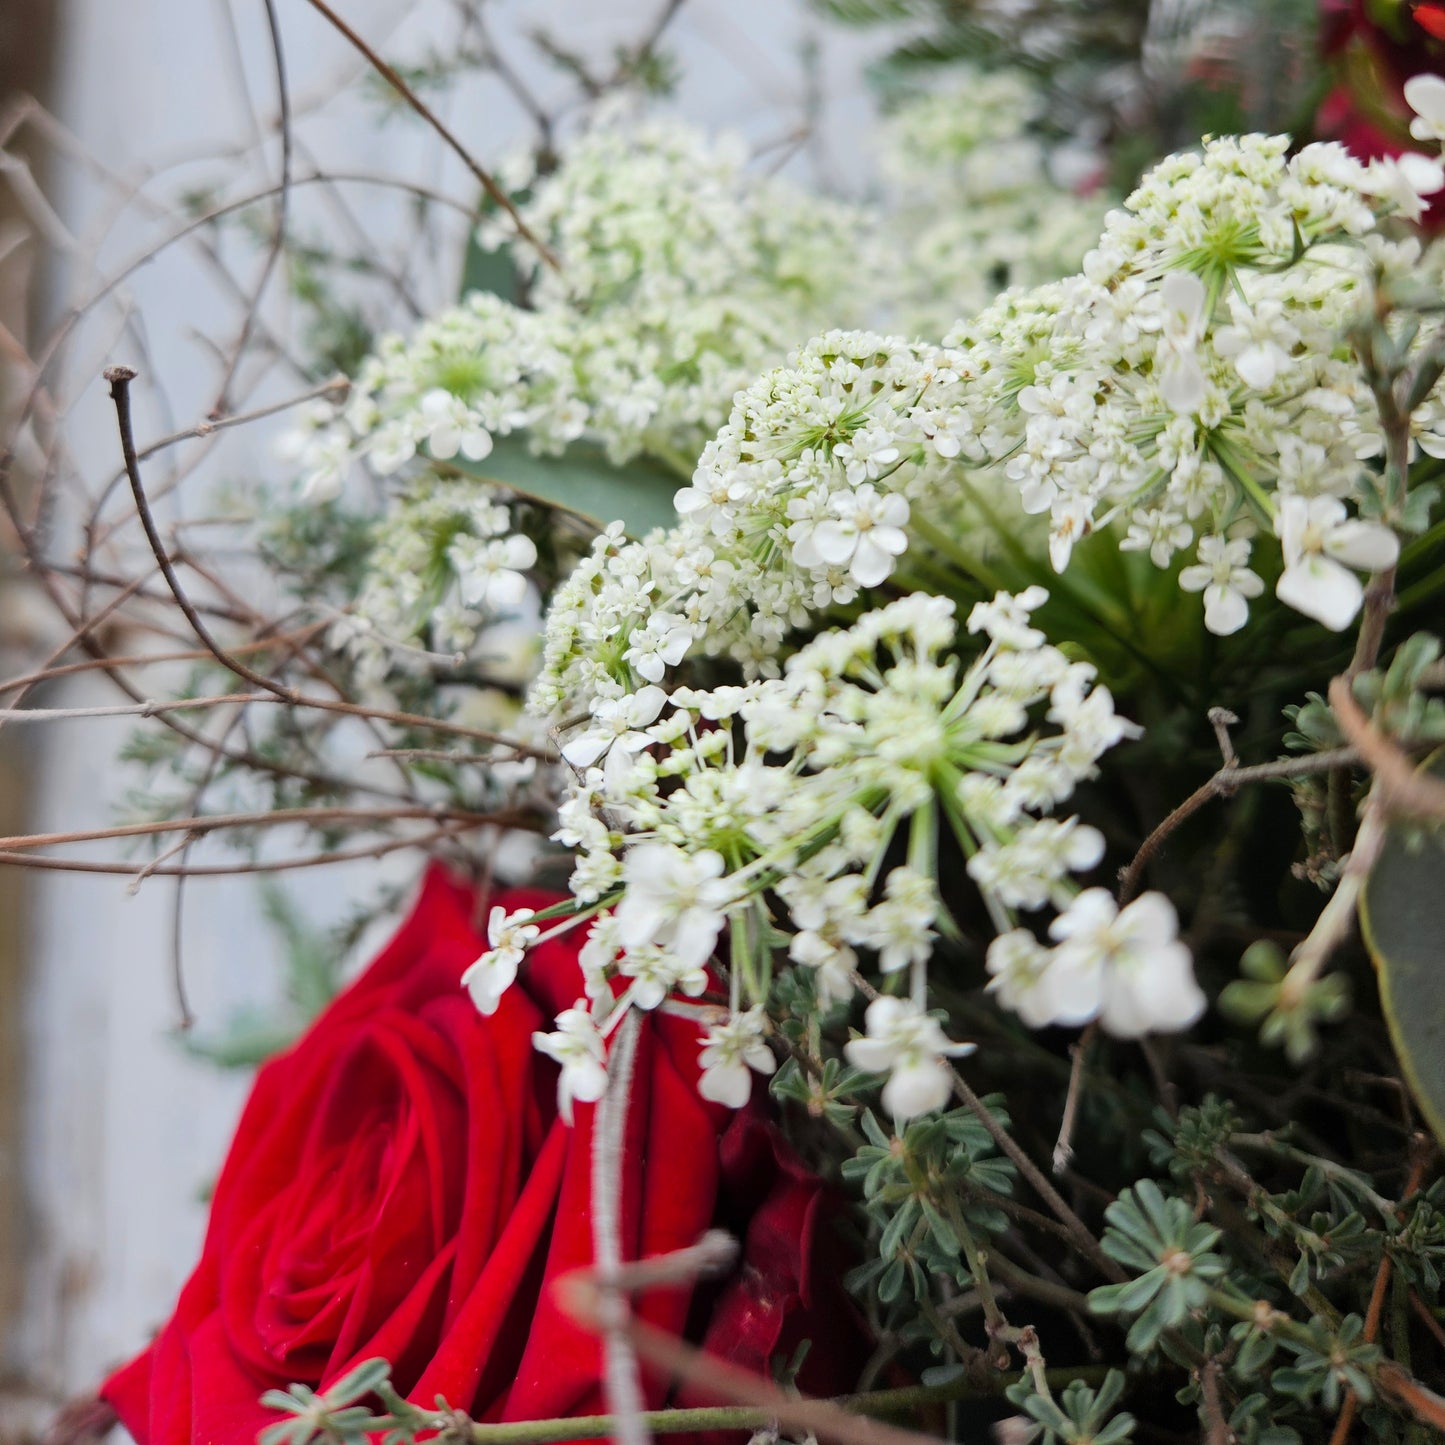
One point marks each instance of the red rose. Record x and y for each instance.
(400, 1185)
(1375, 47)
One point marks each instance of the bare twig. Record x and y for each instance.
(226, 870)
(120, 378)
(149, 708)
(435, 755)
(278, 817)
(1064, 1145)
(1221, 720)
(278, 235)
(389, 74)
(211, 426)
(1403, 789)
(588, 1296)
(1079, 1233)
(1225, 782)
(51, 673)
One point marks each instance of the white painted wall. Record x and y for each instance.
(124, 1129)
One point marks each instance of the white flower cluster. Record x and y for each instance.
(681, 274)
(985, 202)
(1192, 382)
(446, 566)
(800, 503)
(478, 371)
(1191, 385)
(775, 804)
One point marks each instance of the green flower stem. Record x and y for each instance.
(977, 1267)
(752, 1417)
(1239, 1227)
(1237, 470)
(1337, 1172)
(1034, 1286)
(1250, 1311)
(1088, 601)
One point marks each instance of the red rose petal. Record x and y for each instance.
(399, 1185)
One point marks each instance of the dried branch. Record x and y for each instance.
(120, 378)
(283, 200)
(150, 708)
(591, 1297)
(277, 817)
(1403, 789)
(209, 427)
(380, 849)
(1224, 783)
(50, 673)
(493, 190)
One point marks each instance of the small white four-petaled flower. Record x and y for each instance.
(674, 899)
(732, 1052)
(510, 935)
(909, 1046)
(1321, 542)
(577, 1045)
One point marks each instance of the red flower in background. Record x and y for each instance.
(1376, 46)
(400, 1185)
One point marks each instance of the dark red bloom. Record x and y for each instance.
(400, 1185)
(1375, 46)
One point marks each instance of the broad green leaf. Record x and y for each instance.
(582, 481)
(1403, 918)
(492, 271)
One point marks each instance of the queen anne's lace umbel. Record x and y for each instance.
(741, 762)
(1190, 387)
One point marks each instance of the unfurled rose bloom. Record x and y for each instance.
(400, 1186)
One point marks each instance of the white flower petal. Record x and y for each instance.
(1322, 589)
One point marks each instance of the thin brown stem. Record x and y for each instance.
(1225, 782)
(1079, 1233)
(209, 427)
(279, 817)
(389, 74)
(120, 378)
(424, 841)
(51, 673)
(278, 234)
(1403, 789)
(1064, 1145)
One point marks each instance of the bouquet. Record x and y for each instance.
(957, 674)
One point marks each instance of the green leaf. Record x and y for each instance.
(493, 271)
(1402, 914)
(583, 481)
(1299, 1278)
(360, 1381)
